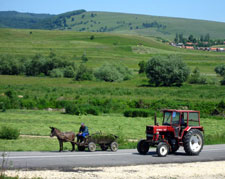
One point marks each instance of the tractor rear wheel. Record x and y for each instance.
(143, 147)
(91, 146)
(162, 149)
(193, 142)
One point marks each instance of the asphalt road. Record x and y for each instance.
(68, 160)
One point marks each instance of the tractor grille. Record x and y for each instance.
(149, 130)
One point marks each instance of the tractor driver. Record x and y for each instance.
(83, 132)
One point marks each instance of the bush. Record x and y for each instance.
(196, 77)
(166, 71)
(83, 73)
(57, 73)
(9, 133)
(112, 73)
(220, 69)
(136, 113)
(72, 108)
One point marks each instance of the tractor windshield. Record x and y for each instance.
(167, 118)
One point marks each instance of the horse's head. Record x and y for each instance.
(53, 131)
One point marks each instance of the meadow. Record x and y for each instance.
(37, 123)
(32, 93)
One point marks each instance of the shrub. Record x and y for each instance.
(142, 67)
(166, 71)
(57, 73)
(83, 73)
(84, 58)
(222, 82)
(136, 113)
(112, 73)
(220, 69)
(72, 108)
(9, 133)
(197, 78)
(92, 37)
(69, 72)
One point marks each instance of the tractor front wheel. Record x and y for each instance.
(162, 149)
(143, 147)
(193, 142)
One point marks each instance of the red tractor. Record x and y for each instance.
(179, 128)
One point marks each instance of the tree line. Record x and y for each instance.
(56, 66)
(203, 41)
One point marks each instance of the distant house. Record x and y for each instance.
(180, 44)
(189, 43)
(213, 49)
(221, 49)
(189, 47)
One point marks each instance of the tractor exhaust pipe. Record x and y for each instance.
(155, 120)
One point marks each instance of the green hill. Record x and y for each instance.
(105, 47)
(83, 21)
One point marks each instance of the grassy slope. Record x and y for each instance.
(116, 21)
(105, 47)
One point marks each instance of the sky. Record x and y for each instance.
(194, 9)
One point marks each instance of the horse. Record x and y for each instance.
(63, 137)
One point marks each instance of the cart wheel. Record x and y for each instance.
(91, 147)
(81, 148)
(114, 146)
(104, 148)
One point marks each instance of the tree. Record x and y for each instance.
(166, 71)
(92, 37)
(142, 67)
(84, 58)
(83, 73)
(207, 37)
(176, 40)
(113, 72)
(196, 77)
(191, 38)
(220, 69)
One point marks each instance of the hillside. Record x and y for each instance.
(83, 21)
(105, 47)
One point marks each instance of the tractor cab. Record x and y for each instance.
(180, 120)
(179, 128)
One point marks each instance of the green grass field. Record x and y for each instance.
(126, 49)
(38, 122)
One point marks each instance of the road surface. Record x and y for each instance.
(68, 160)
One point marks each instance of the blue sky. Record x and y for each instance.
(196, 9)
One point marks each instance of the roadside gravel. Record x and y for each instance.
(205, 170)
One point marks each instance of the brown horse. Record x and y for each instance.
(63, 137)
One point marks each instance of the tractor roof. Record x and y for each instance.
(177, 110)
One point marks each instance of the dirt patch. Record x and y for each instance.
(34, 136)
(206, 170)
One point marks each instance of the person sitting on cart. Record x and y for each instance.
(83, 132)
